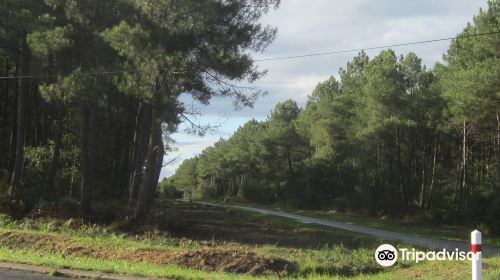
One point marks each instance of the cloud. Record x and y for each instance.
(303, 85)
(188, 148)
(330, 25)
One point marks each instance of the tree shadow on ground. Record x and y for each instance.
(218, 224)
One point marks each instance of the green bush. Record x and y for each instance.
(5, 220)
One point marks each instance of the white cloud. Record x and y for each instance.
(330, 25)
(184, 150)
(302, 86)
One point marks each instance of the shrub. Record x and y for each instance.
(5, 220)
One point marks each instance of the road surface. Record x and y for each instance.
(433, 244)
(13, 275)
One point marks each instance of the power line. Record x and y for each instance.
(378, 47)
(84, 74)
(282, 57)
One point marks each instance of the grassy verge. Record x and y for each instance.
(202, 239)
(109, 266)
(427, 270)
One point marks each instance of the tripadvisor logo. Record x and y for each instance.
(387, 255)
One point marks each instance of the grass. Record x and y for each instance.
(449, 270)
(109, 266)
(442, 231)
(419, 228)
(318, 252)
(427, 270)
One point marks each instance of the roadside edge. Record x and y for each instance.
(70, 273)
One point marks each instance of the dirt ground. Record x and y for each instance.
(207, 259)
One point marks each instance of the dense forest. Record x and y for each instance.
(89, 94)
(388, 137)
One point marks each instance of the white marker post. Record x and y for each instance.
(477, 267)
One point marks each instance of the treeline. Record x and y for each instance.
(89, 93)
(388, 137)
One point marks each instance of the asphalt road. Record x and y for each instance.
(13, 275)
(433, 244)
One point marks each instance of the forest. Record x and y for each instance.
(89, 94)
(386, 136)
(395, 148)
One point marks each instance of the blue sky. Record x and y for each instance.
(321, 26)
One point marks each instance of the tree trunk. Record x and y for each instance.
(498, 150)
(23, 86)
(498, 132)
(433, 172)
(402, 181)
(422, 185)
(5, 114)
(72, 180)
(33, 119)
(87, 119)
(154, 162)
(375, 191)
(458, 177)
(54, 166)
(289, 161)
(464, 166)
(141, 140)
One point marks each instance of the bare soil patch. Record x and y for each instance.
(207, 259)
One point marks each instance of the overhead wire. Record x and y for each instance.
(284, 57)
(377, 47)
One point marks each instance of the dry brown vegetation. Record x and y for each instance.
(208, 259)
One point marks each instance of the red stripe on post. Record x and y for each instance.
(476, 248)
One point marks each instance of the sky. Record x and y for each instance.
(315, 26)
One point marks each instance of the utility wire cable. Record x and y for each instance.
(378, 47)
(284, 57)
(85, 74)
